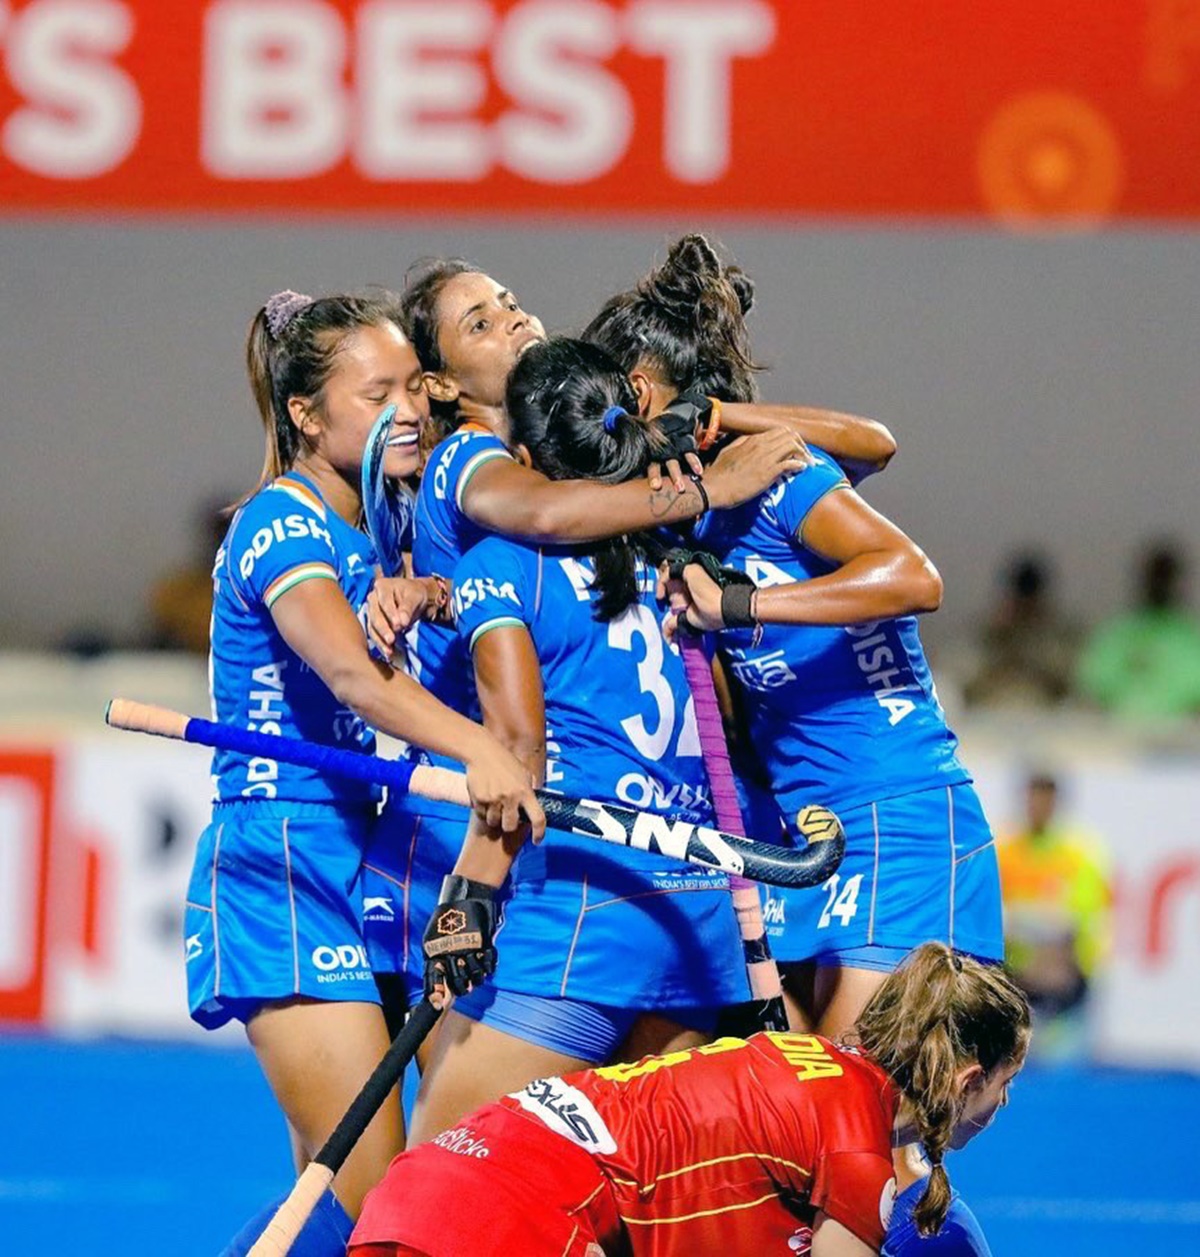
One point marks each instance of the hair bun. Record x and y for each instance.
(693, 255)
(743, 285)
(282, 308)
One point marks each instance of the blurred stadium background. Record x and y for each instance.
(978, 224)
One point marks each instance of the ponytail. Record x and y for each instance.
(936, 1013)
(290, 351)
(574, 410)
(685, 320)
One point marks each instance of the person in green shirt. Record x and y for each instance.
(1146, 662)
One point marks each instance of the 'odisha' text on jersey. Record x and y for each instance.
(442, 534)
(620, 723)
(844, 714)
(738, 1137)
(285, 534)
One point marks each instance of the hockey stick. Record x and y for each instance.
(766, 989)
(387, 505)
(647, 831)
(290, 1217)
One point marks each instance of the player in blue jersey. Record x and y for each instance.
(273, 933)
(573, 674)
(469, 331)
(840, 702)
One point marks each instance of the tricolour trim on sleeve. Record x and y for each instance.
(301, 492)
(471, 466)
(501, 621)
(297, 575)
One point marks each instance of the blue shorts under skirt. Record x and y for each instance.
(588, 1032)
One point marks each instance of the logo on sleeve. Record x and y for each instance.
(464, 1142)
(479, 588)
(290, 526)
(568, 1112)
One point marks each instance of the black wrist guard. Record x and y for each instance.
(455, 888)
(736, 603)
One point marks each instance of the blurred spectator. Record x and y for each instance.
(180, 602)
(1055, 883)
(1146, 662)
(1027, 650)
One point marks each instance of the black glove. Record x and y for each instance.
(459, 953)
(678, 424)
(736, 587)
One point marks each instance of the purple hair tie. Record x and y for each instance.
(282, 308)
(611, 415)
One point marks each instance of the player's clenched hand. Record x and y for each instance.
(676, 426)
(458, 945)
(501, 790)
(394, 604)
(751, 464)
(694, 597)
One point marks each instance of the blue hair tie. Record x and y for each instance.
(611, 415)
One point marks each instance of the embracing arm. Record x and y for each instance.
(861, 446)
(882, 574)
(512, 498)
(317, 622)
(508, 678)
(506, 496)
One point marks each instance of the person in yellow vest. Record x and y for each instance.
(1057, 895)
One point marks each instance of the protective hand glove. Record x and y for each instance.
(737, 589)
(459, 953)
(678, 423)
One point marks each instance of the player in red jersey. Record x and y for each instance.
(758, 1146)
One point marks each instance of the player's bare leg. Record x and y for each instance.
(473, 1064)
(798, 980)
(316, 1057)
(654, 1035)
(839, 996)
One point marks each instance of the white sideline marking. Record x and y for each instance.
(1089, 1209)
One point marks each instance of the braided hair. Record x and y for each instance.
(935, 1013)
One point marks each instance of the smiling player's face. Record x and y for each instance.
(481, 332)
(375, 367)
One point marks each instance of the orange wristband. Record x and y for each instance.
(709, 437)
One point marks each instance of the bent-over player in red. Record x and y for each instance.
(756, 1146)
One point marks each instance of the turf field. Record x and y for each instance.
(115, 1147)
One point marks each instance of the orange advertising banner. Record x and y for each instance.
(1029, 111)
